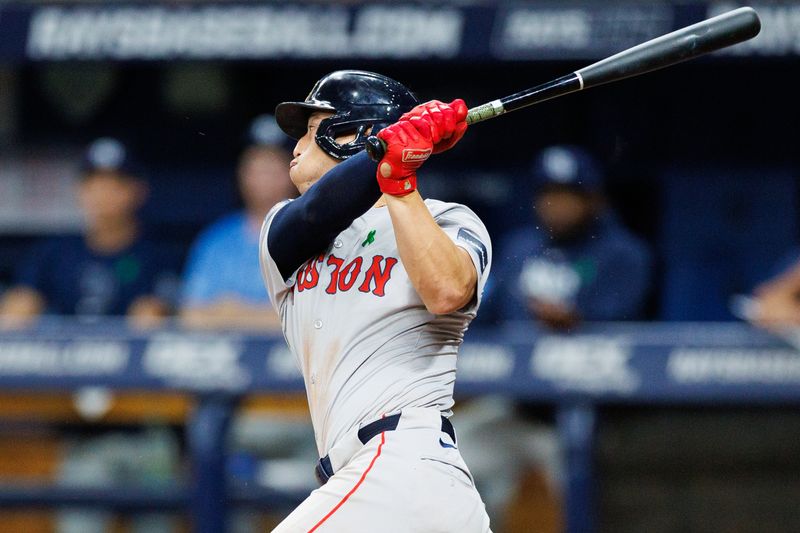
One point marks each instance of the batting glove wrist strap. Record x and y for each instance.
(397, 187)
(408, 146)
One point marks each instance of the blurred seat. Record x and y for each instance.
(723, 229)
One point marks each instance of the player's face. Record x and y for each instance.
(310, 163)
(564, 212)
(262, 178)
(106, 197)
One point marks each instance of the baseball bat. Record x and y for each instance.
(686, 43)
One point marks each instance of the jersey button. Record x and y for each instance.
(318, 323)
(337, 243)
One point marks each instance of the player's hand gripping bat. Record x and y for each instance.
(686, 43)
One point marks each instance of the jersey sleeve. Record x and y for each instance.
(467, 231)
(277, 287)
(623, 283)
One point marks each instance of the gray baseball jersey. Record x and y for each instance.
(363, 339)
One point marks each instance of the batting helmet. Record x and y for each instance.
(358, 100)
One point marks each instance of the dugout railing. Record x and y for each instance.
(631, 363)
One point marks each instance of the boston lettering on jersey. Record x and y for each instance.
(346, 274)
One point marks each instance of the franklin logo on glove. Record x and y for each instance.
(414, 154)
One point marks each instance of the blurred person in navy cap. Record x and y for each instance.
(575, 261)
(222, 279)
(572, 262)
(108, 270)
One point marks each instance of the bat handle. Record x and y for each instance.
(376, 148)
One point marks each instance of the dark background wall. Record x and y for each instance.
(704, 144)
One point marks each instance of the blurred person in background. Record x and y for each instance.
(775, 304)
(108, 270)
(575, 261)
(223, 289)
(222, 281)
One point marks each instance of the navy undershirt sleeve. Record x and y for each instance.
(306, 226)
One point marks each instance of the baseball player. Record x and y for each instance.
(375, 288)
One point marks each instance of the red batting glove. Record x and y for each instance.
(448, 121)
(408, 145)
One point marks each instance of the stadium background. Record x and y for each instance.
(701, 163)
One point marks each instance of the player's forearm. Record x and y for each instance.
(441, 272)
(230, 314)
(788, 282)
(19, 306)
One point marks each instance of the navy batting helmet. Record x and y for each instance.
(358, 100)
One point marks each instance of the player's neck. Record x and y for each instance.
(381, 202)
(110, 238)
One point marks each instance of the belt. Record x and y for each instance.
(324, 470)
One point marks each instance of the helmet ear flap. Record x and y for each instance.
(325, 138)
(331, 128)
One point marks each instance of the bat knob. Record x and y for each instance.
(376, 148)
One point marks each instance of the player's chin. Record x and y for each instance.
(298, 180)
(303, 186)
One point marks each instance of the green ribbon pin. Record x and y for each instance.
(370, 238)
